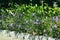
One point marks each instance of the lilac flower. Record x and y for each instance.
(11, 25)
(53, 19)
(36, 22)
(54, 26)
(56, 19)
(44, 30)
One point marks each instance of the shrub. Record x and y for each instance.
(42, 20)
(10, 3)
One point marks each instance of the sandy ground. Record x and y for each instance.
(7, 38)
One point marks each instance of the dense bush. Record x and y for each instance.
(9, 3)
(41, 20)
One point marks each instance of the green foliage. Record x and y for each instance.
(43, 20)
(9, 3)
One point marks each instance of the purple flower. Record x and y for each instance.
(36, 21)
(44, 30)
(11, 25)
(53, 19)
(54, 26)
(56, 19)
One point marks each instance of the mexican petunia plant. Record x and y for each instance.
(42, 20)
